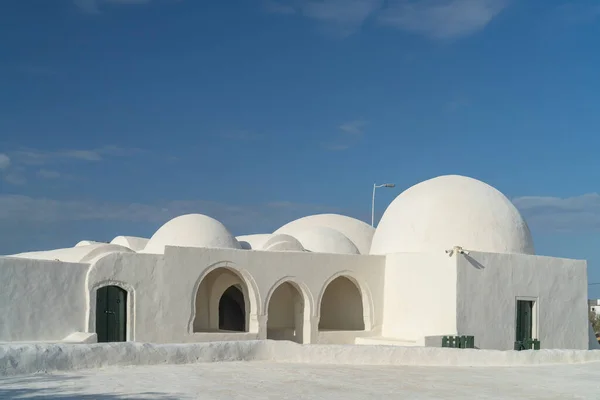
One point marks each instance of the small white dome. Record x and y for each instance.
(320, 239)
(87, 243)
(103, 249)
(269, 242)
(191, 230)
(253, 242)
(448, 211)
(132, 242)
(281, 242)
(359, 232)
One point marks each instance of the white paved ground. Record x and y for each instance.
(268, 380)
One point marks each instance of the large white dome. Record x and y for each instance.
(191, 230)
(448, 211)
(359, 232)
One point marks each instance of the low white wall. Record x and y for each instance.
(341, 337)
(41, 300)
(489, 285)
(420, 296)
(28, 359)
(199, 337)
(81, 337)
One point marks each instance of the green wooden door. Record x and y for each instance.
(111, 314)
(524, 320)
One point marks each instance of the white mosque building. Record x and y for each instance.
(451, 256)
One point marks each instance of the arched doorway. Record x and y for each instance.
(232, 314)
(341, 307)
(111, 314)
(222, 303)
(285, 318)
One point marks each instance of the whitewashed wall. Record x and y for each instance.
(420, 296)
(41, 300)
(141, 275)
(426, 294)
(488, 287)
(162, 289)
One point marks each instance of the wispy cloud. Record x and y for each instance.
(9, 174)
(353, 127)
(93, 6)
(19, 165)
(556, 214)
(42, 157)
(36, 70)
(14, 178)
(241, 136)
(48, 174)
(349, 133)
(344, 17)
(439, 19)
(456, 103)
(4, 161)
(575, 13)
(275, 7)
(238, 218)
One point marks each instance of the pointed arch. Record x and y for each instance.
(289, 308)
(345, 303)
(216, 292)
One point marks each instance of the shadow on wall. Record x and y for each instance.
(62, 387)
(474, 262)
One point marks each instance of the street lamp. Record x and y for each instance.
(376, 186)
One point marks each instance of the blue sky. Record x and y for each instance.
(116, 115)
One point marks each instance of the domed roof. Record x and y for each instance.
(360, 233)
(281, 242)
(103, 249)
(191, 230)
(320, 239)
(448, 211)
(87, 243)
(270, 242)
(132, 242)
(253, 242)
(79, 254)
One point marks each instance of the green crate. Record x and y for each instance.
(527, 344)
(458, 342)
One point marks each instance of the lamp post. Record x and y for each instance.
(375, 187)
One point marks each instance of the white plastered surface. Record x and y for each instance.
(271, 380)
(268, 369)
(19, 359)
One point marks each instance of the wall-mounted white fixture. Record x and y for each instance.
(457, 250)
